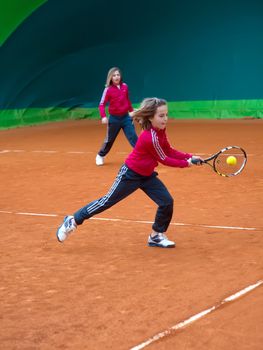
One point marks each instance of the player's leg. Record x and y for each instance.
(125, 183)
(158, 192)
(113, 129)
(129, 130)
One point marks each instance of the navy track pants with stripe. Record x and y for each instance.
(126, 182)
(114, 126)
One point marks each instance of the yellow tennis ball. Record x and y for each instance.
(231, 160)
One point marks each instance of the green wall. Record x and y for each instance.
(190, 53)
(13, 13)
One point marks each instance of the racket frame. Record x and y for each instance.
(215, 156)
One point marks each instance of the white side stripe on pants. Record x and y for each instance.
(100, 203)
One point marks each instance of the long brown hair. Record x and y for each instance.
(147, 110)
(110, 74)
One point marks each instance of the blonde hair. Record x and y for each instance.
(110, 75)
(147, 110)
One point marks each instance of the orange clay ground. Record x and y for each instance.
(104, 288)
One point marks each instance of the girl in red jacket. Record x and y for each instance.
(117, 95)
(138, 172)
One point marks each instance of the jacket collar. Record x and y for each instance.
(159, 131)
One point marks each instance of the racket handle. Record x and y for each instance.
(196, 161)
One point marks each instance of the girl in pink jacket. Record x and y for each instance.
(138, 172)
(117, 95)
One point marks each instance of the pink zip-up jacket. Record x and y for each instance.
(152, 148)
(118, 99)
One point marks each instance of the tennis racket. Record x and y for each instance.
(229, 161)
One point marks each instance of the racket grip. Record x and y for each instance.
(196, 161)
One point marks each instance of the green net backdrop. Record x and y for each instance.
(204, 57)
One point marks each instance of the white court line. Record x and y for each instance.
(14, 151)
(36, 214)
(179, 224)
(78, 152)
(4, 151)
(36, 151)
(228, 227)
(196, 317)
(139, 221)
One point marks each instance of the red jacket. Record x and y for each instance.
(118, 99)
(151, 148)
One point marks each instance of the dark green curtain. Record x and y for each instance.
(180, 50)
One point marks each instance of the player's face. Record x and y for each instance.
(160, 118)
(116, 78)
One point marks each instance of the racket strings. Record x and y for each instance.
(224, 167)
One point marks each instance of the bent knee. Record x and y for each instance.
(169, 202)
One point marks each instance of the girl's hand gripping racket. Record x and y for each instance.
(229, 161)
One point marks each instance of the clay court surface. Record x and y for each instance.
(104, 288)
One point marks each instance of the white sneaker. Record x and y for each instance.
(160, 240)
(69, 225)
(99, 160)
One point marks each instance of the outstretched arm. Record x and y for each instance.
(167, 155)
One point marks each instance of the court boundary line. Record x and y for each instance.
(6, 151)
(197, 316)
(138, 221)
